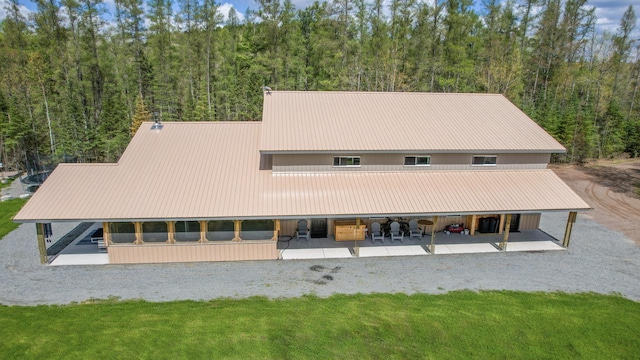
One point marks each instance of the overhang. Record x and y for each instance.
(211, 171)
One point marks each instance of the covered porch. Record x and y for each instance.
(509, 232)
(319, 248)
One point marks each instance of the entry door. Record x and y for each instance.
(319, 228)
(515, 223)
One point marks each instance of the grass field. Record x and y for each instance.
(7, 210)
(456, 325)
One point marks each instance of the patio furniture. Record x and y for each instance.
(303, 231)
(396, 234)
(376, 233)
(347, 230)
(414, 230)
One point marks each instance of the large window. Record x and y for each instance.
(187, 231)
(484, 160)
(220, 230)
(346, 161)
(122, 232)
(415, 160)
(257, 229)
(155, 231)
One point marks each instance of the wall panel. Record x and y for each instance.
(163, 253)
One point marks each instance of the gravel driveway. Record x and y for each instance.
(598, 260)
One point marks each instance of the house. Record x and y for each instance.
(219, 191)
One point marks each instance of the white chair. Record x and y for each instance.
(376, 234)
(414, 230)
(396, 234)
(303, 232)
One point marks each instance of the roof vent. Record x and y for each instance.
(156, 125)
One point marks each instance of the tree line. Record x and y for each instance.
(76, 80)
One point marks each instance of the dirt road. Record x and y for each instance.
(612, 189)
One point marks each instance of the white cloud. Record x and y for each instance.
(609, 13)
(3, 12)
(303, 4)
(224, 11)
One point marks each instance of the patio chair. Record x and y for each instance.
(303, 232)
(376, 234)
(396, 234)
(414, 230)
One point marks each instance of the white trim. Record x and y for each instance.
(347, 157)
(416, 160)
(474, 156)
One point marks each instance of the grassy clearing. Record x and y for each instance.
(452, 326)
(8, 209)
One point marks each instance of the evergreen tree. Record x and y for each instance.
(140, 115)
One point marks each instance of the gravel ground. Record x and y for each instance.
(598, 260)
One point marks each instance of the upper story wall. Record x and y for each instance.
(395, 162)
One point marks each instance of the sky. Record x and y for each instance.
(609, 12)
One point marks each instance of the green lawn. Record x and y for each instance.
(486, 325)
(8, 209)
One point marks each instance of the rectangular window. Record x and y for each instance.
(484, 160)
(353, 161)
(417, 160)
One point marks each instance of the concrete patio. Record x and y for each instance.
(326, 248)
(82, 251)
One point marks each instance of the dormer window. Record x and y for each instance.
(346, 161)
(484, 160)
(417, 160)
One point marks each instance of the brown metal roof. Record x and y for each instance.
(199, 170)
(378, 121)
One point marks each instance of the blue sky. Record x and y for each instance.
(609, 12)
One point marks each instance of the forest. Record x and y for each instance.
(76, 79)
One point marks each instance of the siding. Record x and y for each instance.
(529, 221)
(395, 162)
(166, 253)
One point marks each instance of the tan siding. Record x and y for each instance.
(529, 221)
(288, 227)
(156, 253)
(266, 161)
(303, 159)
(395, 162)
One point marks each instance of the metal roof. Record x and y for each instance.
(204, 170)
(298, 121)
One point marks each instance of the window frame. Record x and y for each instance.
(346, 165)
(415, 158)
(484, 156)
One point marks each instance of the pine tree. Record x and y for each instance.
(140, 115)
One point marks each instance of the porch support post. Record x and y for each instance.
(237, 227)
(505, 236)
(138, 227)
(203, 231)
(567, 232)
(501, 227)
(474, 219)
(356, 236)
(106, 235)
(42, 247)
(171, 232)
(432, 247)
(276, 229)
